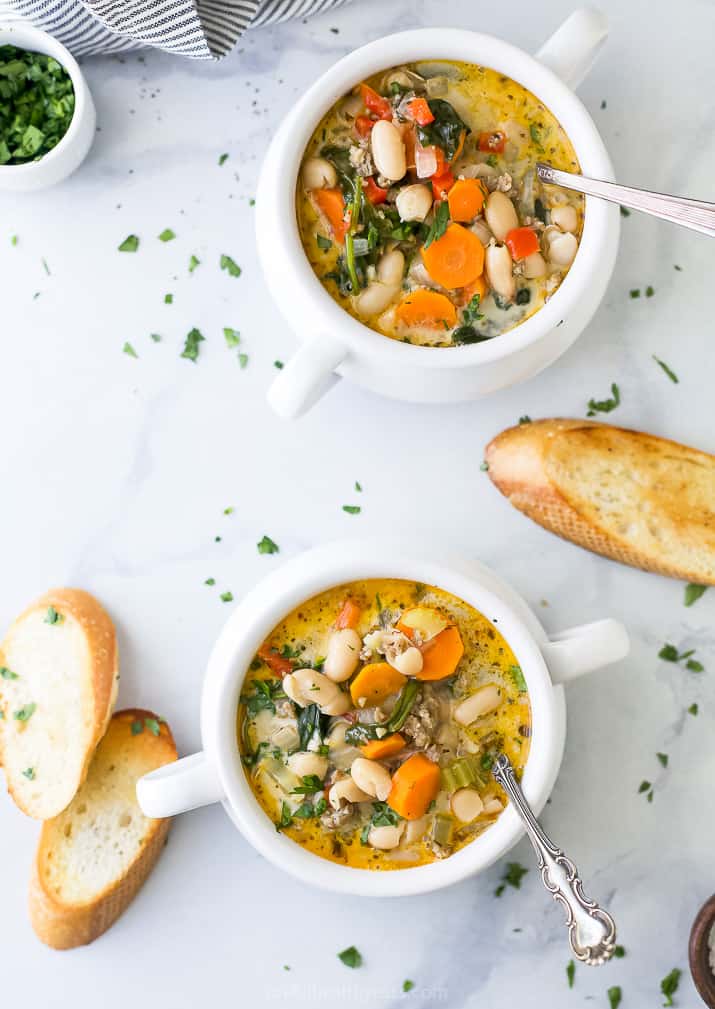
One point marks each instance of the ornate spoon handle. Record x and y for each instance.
(695, 214)
(592, 931)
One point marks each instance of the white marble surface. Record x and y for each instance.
(115, 474)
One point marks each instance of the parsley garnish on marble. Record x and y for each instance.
(513, 875)
(52, 616)
(352, 509)
(194, 261)
(669, 985)
(25, 713)
(605, 405)
(614, 996)
(267, 546)
(669, 653)
(223, 158)
(407, 985)
(168, 299)
(663, 759)
(279, 365)
(129, 350)
(227, 597)
(693, 709)
(645, 786)
(7, 674)
(351, 957)
(191, 345)
(210, 581)
(570, 972)
(668, 371)
(29, 773)
(130, 244)
(694, 592)
(167, 235)
(230, 266)
(231, 336)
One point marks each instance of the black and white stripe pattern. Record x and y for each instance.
(199, 29)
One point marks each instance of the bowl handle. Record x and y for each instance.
(572, 49)
(307, 376)
(177, 787)
(582, 649)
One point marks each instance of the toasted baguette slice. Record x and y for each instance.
(630, 496)
(58, 684)
(93, 858)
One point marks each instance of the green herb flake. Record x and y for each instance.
(152, 724)
(52, 616)
(513, 875)
(7, 674)
(45, 267)
(279, 365)
(267, 546)
(663, 759)
(37, 102)
(358, 487)
(191, 345)
(644, 787)
(669, 985)
(231, 336)
(227, 597)
(693, 709)
(167, 235)
(129, 350)
(168, 299)
(137, 727)
(619, 952)
(156, 337)
(352, 509)
(223, 158)
(614, 996)
(210, 581)
(194, 261)
(570, 972)
(408, 985)
(693, 592)
(518, 677)
(230, 266)
(526, 419)
(605, 405)
(669, 653)
(25, 713)
(351, 957)
(668, 371)
(484, 466)
(242, 360)
(439, 224)
(625, 212)
(13, 240)
(635, 292)
(649, 291)
(323, 243)
(29, 773)
(286, 817)
(694, 666)
(130, 244)
(535, 135)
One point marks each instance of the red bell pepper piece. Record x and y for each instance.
(364, 125)
(492, 142)
(275, 661)
(419, 111)
(374, 193)
(375, 103)
(441, 184)
(521, 242)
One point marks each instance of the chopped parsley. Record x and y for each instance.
(279, 365)
(152, 725)
(439, 224)
(210, 581)
(194, 261)
(484, 466)
(7, 674)
(619, 952)
(625, 212)
(408, 985)
(25, 713)
(570, 972)
(645, 786)
(351, 957)
(649, 291)
(130, 244)
(52, 616)
(263, 698)
(267, 546)
(669, 653)
(229, 511)
(605, 405)
(167, 235)
(29, 773)
(137, 727)
(129, 350)
(242, 360)
(635, 292)
(156, 337)
(518, 677)
(471, 312)
(535, 135)
(226, 597)
(358, 487)
(668, 371)
(526, 419)
(191, 345)
(669, 985)
(693, 593)
(663, 759)
(352, 509)
(513, 875)
(223, 158)
(168, 299)
(230, 266)
(231, 336)
(614, 996)
(693, 709)
(36, 104)
(286, 817)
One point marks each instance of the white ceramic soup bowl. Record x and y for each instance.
(216, 773)
(334, 344)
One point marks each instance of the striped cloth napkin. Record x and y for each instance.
(199, 29)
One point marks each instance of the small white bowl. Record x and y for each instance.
(72, 149)
(216, 774)
(334, 344)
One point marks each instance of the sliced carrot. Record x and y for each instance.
(377, 749)
(466, 199)
(478, 286)
(455, 259)
(331, 205)
(521, 242)
(441, 655)
(374, 683)
(349, 615)
(424, 307)
(274, 660)
(414, 785)
(375, 103)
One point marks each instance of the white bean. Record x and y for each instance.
(480, 703)
(375, 298)
(343, 654)
(409, 662)
(385, 838)
(482, 232)
(493, 806)
(500, 214)
(304, 764)
(534, 266)
(466, 804)
(497, 262)
(391, 267)
(306, 686)
(565, 217)
(563, 249)
(371, 777)
(346, 790)
(388, 150)
(318, 173)
(414, 202)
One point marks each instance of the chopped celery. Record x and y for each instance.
(442, 827)
(282, 775)
(462, 772)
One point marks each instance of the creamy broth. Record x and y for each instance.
(419, 208)
(370, 718)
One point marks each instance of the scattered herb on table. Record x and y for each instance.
(669, 653)
(7, 674)
(635, 292)
(678, 268)
(408, 985)
(513, 875)
(351, 957)
(168, 299)
(52, 616)
(625, 212)
(152, 725)
(484, 466)
(526, 419)
(668, 371)
(29, 773)
(155, 337)
(227, 597)
(669, 985)
(242, 360)
(45, 267)
(130, 244)
(619, 952)
(645, 786)
(267, 546)
(193, 263)
(649, 291)
(231, 336)
(167, 235)
(223, 158)
(663, 759)
(37, 103)
(210, 581)
(230, 266)
(25, 713)
(191, 345)
(229, 511)
(605, 405)
(614, 996)
(693, 592)
(603, 103)
(129, 350)
(279, 365)
(693, 709)
(352, 509)
(358, 487)
(570, 972)
(13, 240)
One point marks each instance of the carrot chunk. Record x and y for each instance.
(349, 615)
(427, 308)
(377, 749)
(466, 199)
(441, 655)
(331, 205)
(414, 785)
(374, 683)
(455, 259)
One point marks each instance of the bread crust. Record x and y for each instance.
(516, 466)
(66, 926)
(101, 637)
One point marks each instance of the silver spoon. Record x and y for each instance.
(592, 931)
(695, 214)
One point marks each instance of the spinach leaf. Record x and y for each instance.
(265, 693)
(311, 721)
(446, 130)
